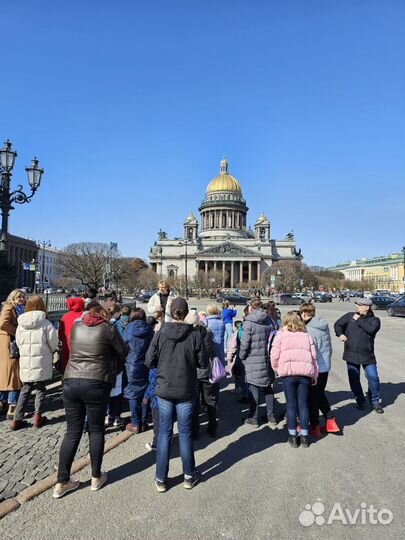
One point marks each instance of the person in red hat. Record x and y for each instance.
(76, 309)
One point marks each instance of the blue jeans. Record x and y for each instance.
(184, 411)
(296, 390)
(11, 396)
(228, 333)
(135, 406)
(370, 370)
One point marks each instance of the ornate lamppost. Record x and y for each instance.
(8, 197)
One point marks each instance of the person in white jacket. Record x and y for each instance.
(161, 301)
(36, 340)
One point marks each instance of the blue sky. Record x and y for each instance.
(131, 105)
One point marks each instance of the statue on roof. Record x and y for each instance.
(290, 236)
(162, 235)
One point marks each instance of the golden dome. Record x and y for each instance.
(224, 181)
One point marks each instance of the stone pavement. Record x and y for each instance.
(30, 454)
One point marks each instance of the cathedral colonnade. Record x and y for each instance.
(233, 272)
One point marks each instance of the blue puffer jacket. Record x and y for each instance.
(138, 336)
(217, 328)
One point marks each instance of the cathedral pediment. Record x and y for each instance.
(228, 248)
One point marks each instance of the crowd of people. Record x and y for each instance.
(168, 366)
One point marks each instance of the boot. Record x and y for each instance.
(10, 412)
(3, 407)
(39, 420)
(332, 426)
(315, 432)
(18, 424)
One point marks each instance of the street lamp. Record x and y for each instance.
(8, 197)
(185, 244)
(43, 244)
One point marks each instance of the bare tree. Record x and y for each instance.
(87, 262)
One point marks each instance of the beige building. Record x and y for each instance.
(223, 243)
(384, 272)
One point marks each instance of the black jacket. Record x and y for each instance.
(177, 351)
(359, 347)
(96, 352)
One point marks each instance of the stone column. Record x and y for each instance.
(232, 275)
(206, 270)
(215, 266)
(250, 271)
(240, 272)
(223, 273)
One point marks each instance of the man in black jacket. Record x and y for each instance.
(176, 351)
(357, 331)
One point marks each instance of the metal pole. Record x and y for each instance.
(185, 269)
(5, 209)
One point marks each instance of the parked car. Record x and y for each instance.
(50, 290)
(27, 290)
(234, 298)
(61, 290)
(289, 299)
(305, 296)
(397, 307)
(381, 302)
(145, 296)
(323, 297)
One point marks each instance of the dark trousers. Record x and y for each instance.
(371, 373)
(209, 393)
(296, 390)
(254, 401)
(83, 398)
(25, 392)
(318, 400)
(115, 406)
(155, 417)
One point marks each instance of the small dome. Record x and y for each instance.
(224, 181)
(191, 218)
(262, 219)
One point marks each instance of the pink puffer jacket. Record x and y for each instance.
(294, 353)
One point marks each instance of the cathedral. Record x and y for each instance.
(222, 243)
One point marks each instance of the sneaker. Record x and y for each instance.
(118, 422)
(189, 483)
(160, 486)
(149, 446)
(132, 428)
(378, 408)
(293, 441)
(66, 487)
(304, 440)
(109, 420)
(98, 483)
(251, 422)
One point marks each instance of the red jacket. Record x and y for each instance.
(76, 308)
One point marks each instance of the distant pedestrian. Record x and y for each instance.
(90, 295)
(227, 316)
(357, 331)
(97, 354)
(293, 357)
(36, 340)
(216, 326)
(10, 383)
(176, 351)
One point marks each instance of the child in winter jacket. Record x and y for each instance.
(293, 357)
(318, 329)
(37, 340)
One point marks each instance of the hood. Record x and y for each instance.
(258, 316)
(318, 323)
(93, 320)
(139, 329)
(176, 331)
(31, 319)
(75, 304)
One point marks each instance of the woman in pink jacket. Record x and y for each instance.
(293, 357)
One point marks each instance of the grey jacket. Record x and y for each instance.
(318, 329)
(254, 347)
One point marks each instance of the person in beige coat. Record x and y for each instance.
(37, 340)
(10, 383)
